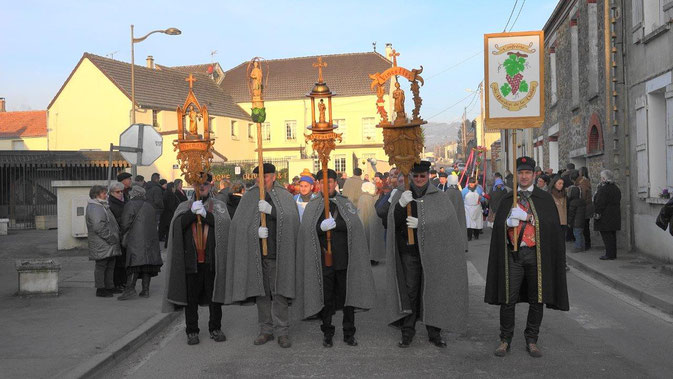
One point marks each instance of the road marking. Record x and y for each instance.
(625, 298)
(473, 276)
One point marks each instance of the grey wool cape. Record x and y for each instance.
(244, 279)
(458, 204)
(175, 293)
(360, 291)
(444, 298)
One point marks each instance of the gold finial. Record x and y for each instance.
(191, 79)
(320, 64)
(395, 54)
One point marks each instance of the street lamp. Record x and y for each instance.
(170, 32)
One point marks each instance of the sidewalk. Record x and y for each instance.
(76, 332)
(638, 276)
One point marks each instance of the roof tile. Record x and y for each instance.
(23, 124)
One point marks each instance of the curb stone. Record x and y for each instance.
(123, 347)
(632, 291)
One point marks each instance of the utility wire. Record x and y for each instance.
(510, 16)
(455, 65)
(451, 106)
(517, 15)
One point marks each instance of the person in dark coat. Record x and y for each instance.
(237, 190)
(155, 196)
(171, 203)
(117, 201)
(607, 217)
(125, 179)
(535, 273)
(103, 239)
(582, 181)
(576, 209)
(143, 254)
(665, 217)
(179, 193)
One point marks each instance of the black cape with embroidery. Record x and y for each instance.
(552, 252)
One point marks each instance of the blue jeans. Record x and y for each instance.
(579, 238)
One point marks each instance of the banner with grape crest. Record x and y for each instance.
(514, 77)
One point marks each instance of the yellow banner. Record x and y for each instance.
(513, 46)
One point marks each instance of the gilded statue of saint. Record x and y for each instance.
(192, 121)
(398, 95)
(321, 110)
(256, 80)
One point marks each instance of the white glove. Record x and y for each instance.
(197, 206)
(512, 222)
(264, 207)
(202, 212)
(412, 222)
(328, 224)
(518, 214)
(392, 194)
(263, 232)
(406, 198)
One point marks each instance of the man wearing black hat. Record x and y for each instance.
(275, 287)
(426, 280)
(536, 272)
(434, 180)
(125, 179)
(348, 282)
(442, 184)
(196, 268)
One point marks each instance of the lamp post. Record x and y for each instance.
(170, 32)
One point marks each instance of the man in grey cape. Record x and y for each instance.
(268, 279)
(348, 282)
(426, 281)
(196, 276)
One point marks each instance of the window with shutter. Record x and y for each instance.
(641, 146)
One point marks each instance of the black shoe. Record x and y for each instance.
(102, 292)
(438, 341)
(350, 341)
(128, 294)
(374, 263)
(606, 258)
(193, 339)
(406, 342)
(144, 293)
(217, 335)
(327, 341)
(118, 289)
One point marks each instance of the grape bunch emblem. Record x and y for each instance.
(514, 65)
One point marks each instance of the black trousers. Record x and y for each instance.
(587, 233)
(523, 268)
(120, 269)
(334, 293)
(610, 241)
(413, 274)
(473, 232)
(200, 291)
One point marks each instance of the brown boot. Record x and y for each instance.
(502, 349)
(263, 338)
(533, 350)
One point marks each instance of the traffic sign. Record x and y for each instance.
(145, 142)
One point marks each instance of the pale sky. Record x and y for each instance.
(42, 41)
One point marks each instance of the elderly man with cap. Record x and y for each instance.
(267, 279)
(426, 280)
(305, 194)
(125, 179)
(196, 270)
(534, 273)
(347, 283)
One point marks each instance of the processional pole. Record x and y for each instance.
(403, 138)
(323, 138)
(256, 84)
(194, 148)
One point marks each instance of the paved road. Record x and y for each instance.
(604, 335)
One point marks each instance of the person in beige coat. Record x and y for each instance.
(373, 225)
(353, 187)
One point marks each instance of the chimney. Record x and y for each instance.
(2, 104)
(389, 51)
(150, 61)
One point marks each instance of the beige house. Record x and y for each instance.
(22, 130)
(289, 110)
(93, 107)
